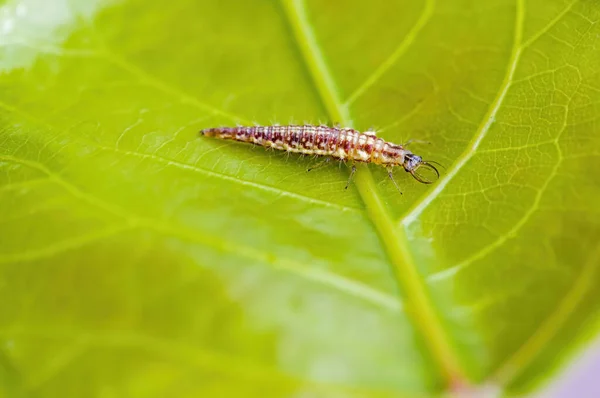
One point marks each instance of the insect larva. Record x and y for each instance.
(345, 144)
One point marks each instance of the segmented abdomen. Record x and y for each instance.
(341, 143)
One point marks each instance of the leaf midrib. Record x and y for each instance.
(394, 241)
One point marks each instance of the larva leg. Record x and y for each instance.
(351, 175)
(391, 175)
(318, 165)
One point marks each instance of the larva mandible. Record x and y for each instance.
(345, 144)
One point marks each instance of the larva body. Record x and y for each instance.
(345, 144)
(340, 143)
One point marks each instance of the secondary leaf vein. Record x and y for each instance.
(351, 287)
(196, 169)
(548, 329)
(484, 127)
(62, 246)
(409, 39)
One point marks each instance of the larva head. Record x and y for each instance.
(412, 163)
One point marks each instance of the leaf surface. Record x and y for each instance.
(145, 261)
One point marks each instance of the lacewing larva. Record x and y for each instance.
(344, 144)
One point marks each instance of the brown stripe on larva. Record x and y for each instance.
(340, 143)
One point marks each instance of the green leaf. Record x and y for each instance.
(140, 260)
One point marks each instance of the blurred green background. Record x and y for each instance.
(139, 260)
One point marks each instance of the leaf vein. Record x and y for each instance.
(24, 184)
(402, 48)
(488, 249)
(62, 246)
(199, 358)
(196, 169)
(337, 282)
(394, 241)
(153, 81)
(549, 26)
(548, 329)
(484, 126)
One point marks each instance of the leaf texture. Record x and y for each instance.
(139, 260)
